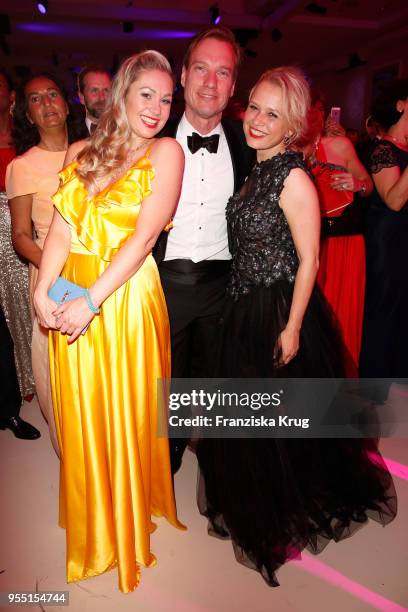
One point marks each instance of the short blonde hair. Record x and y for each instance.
(295, 98)
(110, 144)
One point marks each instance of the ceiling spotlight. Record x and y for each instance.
(128, 27)
(215, 14)
(42, 6)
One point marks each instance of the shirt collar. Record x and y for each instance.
(88, 123)
(186, 129)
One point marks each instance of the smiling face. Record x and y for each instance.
(148, 103)
(46, 107)
(265, 126)
(208, 81)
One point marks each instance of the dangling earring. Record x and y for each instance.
(287, 140)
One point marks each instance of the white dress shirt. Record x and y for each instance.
(199, 226)
(89, 122)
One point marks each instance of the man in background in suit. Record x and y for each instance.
(194, 264)
(94, 86)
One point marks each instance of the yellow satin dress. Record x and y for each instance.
(115, 470)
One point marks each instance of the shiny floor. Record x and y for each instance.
(195, 572)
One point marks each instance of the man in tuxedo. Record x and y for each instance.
(94, 86)
(194, 258)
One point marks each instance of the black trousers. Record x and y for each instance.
(195, 296)
(10, 397)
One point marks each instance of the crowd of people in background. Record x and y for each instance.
(218, 267)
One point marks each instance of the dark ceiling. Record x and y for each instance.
(318, 35)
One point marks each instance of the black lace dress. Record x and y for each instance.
(273, 497)
(384, 351)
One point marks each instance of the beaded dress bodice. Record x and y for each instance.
(262, 247)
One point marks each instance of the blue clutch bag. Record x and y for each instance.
(63, 291)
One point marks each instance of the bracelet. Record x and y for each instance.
(90, 303)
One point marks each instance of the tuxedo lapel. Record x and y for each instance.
(242, 156)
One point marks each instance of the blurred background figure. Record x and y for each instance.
(10, 396)
(373, 128)
(373, 131)
(94, 87)
(353, 135)
(43, 127)
(13, 270)
(385, 336)
(339, 175)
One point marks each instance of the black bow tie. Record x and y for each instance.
(196, 142)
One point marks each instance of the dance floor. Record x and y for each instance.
(195, 572)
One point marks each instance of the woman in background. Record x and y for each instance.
(385, 334)
(339, 177)
(13, 271)
(42, 129)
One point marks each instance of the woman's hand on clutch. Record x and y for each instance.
(72, 317)
(44, 308)
(287, 347)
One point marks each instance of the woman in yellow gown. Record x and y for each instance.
(112, 204)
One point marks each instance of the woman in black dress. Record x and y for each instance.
(384, 352)
(273, 497)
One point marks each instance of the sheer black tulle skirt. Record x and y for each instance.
(274, 497)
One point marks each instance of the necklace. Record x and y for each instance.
(132, 156)
(401, 144)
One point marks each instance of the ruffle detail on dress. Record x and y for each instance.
(106, 225)
(382, 156)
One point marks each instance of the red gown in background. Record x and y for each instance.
(341, 274)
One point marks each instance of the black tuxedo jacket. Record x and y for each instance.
(242, 158)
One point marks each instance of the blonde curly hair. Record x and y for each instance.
(110, 144)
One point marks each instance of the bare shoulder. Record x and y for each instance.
(341, 144)
(298, 179)
(167, 146)
(74, 149)
(298, 190)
